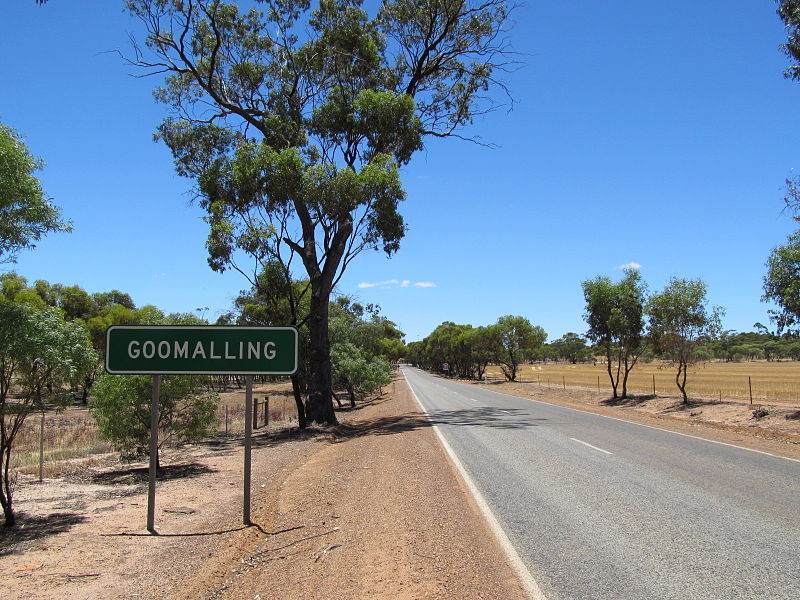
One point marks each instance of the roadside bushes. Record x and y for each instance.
(121, 407)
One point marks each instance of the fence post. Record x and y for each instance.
(41, 446)
(598, 384)
(266, 411)
(255, 413)
(226, 419)
(750, 385)
(564, 381)
(654, 384)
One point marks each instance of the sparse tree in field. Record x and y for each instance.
(41, 358)
(294, 123)
(516, 341)
(681, 322)
(615, 315)
(25, 213)
(571, 347)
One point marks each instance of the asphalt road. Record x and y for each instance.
(599, 508)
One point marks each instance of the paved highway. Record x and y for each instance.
(599, 508)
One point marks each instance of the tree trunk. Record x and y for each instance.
(319, 408)
(614, 382)
(681, 381)
(11, 518)
(302, 422)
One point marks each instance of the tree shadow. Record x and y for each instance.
(30, 528)
(486, 416)
(630, 400)
(136, 475)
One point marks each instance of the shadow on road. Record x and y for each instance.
(486, 416)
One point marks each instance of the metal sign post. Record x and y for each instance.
(248, 439)
(204, 350)
(151, 486)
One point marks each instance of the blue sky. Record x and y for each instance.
(652, 133)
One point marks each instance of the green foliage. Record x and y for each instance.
(789, 12)
(42, 358)
(360, 337)
(680, 322)
(517, 341)
(615, 314)
(571, 347)
(121, 407)
(782, 283)
(357, 372)
(25, 213)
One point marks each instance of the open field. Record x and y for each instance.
(775, 382)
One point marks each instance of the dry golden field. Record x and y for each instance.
(771, 381)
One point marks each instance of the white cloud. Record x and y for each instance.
(365, 284)
(631, 265)
(394, 282)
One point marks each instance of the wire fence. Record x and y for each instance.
(776, 382)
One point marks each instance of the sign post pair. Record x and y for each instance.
(200, 350)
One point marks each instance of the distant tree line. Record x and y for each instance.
(624, 326)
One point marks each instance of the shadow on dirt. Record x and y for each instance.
(30, 528)
(630, 400)
(140, 474)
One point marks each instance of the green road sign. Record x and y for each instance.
(207, 350)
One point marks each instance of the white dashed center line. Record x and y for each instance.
(590, 446)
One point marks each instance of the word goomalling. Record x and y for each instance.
(175, 349)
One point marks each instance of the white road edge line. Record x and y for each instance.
(590, 446)
(529, 585)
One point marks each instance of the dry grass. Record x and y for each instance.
(68, 434)
(281, 406)
(73, 433)
(777, 382)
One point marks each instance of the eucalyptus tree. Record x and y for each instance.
(680, 322)
(295, 122)
(516, 339)
(41, 358)
(782, 285)
(25, 212)
(615, 313)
